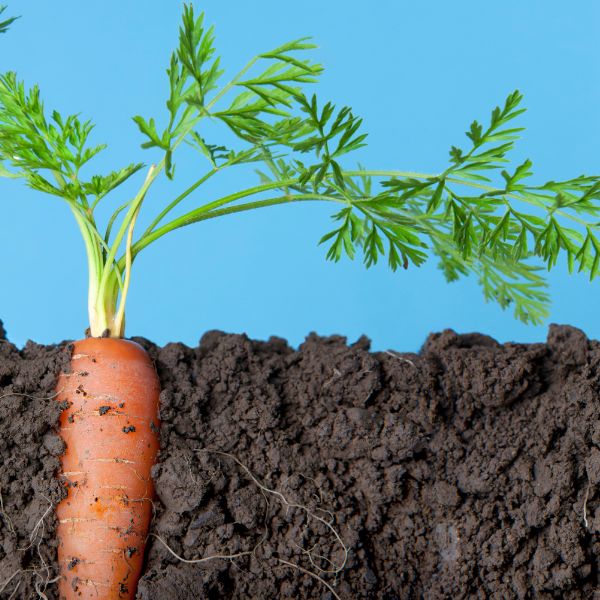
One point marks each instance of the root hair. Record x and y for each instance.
(334, 569)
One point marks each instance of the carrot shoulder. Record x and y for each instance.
(111, 433)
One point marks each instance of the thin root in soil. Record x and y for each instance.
(315, 573)
(585, 502)
(43, 573)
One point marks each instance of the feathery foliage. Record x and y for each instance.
(6, 23)
(478, 215)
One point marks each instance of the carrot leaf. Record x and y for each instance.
(6, 23)
(481, 214)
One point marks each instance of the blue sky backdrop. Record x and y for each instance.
(417, 72)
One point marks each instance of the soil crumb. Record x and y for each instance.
(468, 470)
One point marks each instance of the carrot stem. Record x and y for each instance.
(120, 317)
(104, 313)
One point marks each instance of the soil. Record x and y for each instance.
(468, 470)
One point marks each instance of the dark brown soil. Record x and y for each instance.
(470, 470)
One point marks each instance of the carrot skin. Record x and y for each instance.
(110, 429)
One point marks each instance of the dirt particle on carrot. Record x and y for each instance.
(129, 429)
(102, 410)
(73, 563)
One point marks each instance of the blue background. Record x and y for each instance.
(418, 72)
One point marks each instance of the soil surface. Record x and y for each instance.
(469, 470)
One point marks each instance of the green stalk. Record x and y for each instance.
(221, 201)
(120, 317)
(179, 198)
(151, 234)
(406, 174)
(203, 214)
(104, 316)
(94, 260)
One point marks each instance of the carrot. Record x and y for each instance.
(110, 429)
(299, 145)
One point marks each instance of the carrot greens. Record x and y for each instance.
(6, 23)
(478, 215)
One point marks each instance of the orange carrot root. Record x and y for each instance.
(111, 433)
